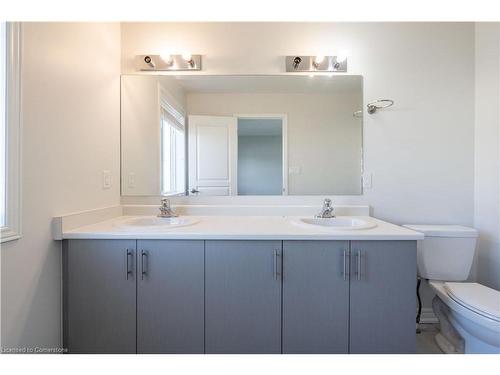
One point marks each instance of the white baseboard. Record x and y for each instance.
(428, 316)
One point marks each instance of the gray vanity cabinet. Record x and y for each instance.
(243, 296)
(228, 296)
(99, 296)
(170, 296)
(315, 297)
(382, 312)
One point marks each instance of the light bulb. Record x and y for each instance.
(319, 59)
(167, 58)
(342, 56)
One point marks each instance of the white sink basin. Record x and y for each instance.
(154, 222)
(338, 223)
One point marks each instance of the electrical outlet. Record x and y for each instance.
(131, 181)
(106, 179)
(367, 181)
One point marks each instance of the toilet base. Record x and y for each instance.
(454, 336)
(448, 339)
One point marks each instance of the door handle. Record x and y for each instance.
(345, 270)
(144, 255)
(276, 265)
(129, 271)
(358, 265)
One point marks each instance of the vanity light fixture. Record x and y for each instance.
(317, 63)
(148, 60)
(342, 56)
(296, 62)
(188, 58)
(318, 60)
(167, 59)
(167, 62)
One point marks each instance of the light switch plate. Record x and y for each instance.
(106, 179)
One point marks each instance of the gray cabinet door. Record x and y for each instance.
(315, 297)
(170, 296)
(383, 281)
(243, 296)
(99, 296)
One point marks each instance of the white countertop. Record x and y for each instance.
(241, 228)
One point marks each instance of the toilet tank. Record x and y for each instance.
(446, 252)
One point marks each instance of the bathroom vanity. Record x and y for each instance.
(262, 281)
(239, 284)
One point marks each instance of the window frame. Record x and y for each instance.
(12, 228)
(165, 126)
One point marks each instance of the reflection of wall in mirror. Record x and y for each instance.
(324, 139)
(140, 131)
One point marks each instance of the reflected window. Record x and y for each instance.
(173, 150)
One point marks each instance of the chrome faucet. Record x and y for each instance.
(165, 209)
(327, 210)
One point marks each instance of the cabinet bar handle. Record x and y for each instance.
(144, 254)
(345, 265)
(276, 264)
(129, 270)
(358, 259)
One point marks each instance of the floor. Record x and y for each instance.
(425, 339)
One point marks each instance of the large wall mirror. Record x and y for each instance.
(241, 135)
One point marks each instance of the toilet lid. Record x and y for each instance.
(476, 297)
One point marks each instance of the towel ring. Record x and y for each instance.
(372, 107)
(358, 113)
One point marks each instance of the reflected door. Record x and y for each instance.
(212, 155)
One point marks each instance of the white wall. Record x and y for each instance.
(140, 136)
(487, 153)
(420, 151)
(71, 133)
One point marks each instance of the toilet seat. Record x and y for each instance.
(475, 297)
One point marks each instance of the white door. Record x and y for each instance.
(213, 155)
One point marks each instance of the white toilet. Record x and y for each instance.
(468, 313)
